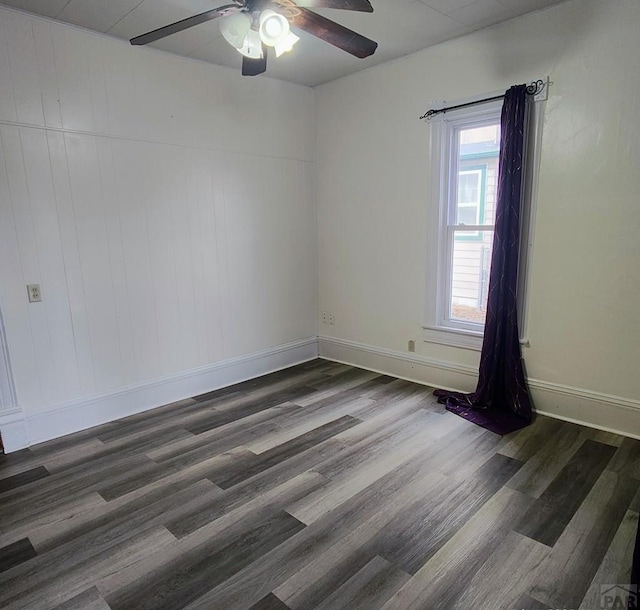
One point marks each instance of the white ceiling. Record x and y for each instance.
(399, 26)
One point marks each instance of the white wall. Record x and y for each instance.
(373, 185)
(164, 205)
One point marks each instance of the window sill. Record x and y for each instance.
(466, 339)
(453, 337)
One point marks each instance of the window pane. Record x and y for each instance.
(480, 140)
(469, 283)
(468, 215)
(468, 188)
(478, 156)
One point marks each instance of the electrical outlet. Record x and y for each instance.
(35, 295)
(327, 318)
(412, 346)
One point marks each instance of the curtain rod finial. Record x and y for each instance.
(427, 115)
(536, 87)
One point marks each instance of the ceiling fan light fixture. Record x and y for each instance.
(286, 44)
(235, 28)
(252, 46)
(274, 28)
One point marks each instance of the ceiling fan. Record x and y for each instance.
(251, 26)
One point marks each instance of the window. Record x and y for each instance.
(465, 149)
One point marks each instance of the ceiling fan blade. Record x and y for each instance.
(189, 22)
(253, 67)
(347, 5)
(333, 33)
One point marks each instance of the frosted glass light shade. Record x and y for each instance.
(274, 28)
(287, 44)
(252, 46)
(235, 28)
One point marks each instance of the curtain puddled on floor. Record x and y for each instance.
(635, 574)
(501, 401)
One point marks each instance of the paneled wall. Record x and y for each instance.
(164, 206)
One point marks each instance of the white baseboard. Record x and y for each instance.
(409, 366)
(13, 428)
(578, 405)
(20, 430)
(602, 411)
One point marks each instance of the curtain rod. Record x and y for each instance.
(534, 88)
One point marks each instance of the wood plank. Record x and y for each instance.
(526, 442)
(368, 589)
(17, 462)
(117, 520)
(56, 490)
(555, 451)
(18, 480)
(200, 570)
(281, 453)
(47, 522)
(352, 386)
(505, 575)
(80, 548)
(16, 553)
(49, 584)
(87, 600)
(225, 528)
(304, 421)
(70, 441)
(616, 564)
(240, 432)
(262, 484)
(58, 461)
(270, 602)
(627, 459)
(635, 503)
(423, 529)
(383, 458)
(551, 512)
(379, 423)
(354, 549)
(444, 578)
(141, 476)
(567, 573)
(528, 603)
(220, 418)
(280, 496)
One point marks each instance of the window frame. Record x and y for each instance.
(437, 327)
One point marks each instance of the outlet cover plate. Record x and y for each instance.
(34, 292)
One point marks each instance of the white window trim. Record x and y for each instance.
(434, 331)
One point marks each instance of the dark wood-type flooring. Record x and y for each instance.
(322, 486)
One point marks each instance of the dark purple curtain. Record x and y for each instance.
(501, 401)
(634, 603)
